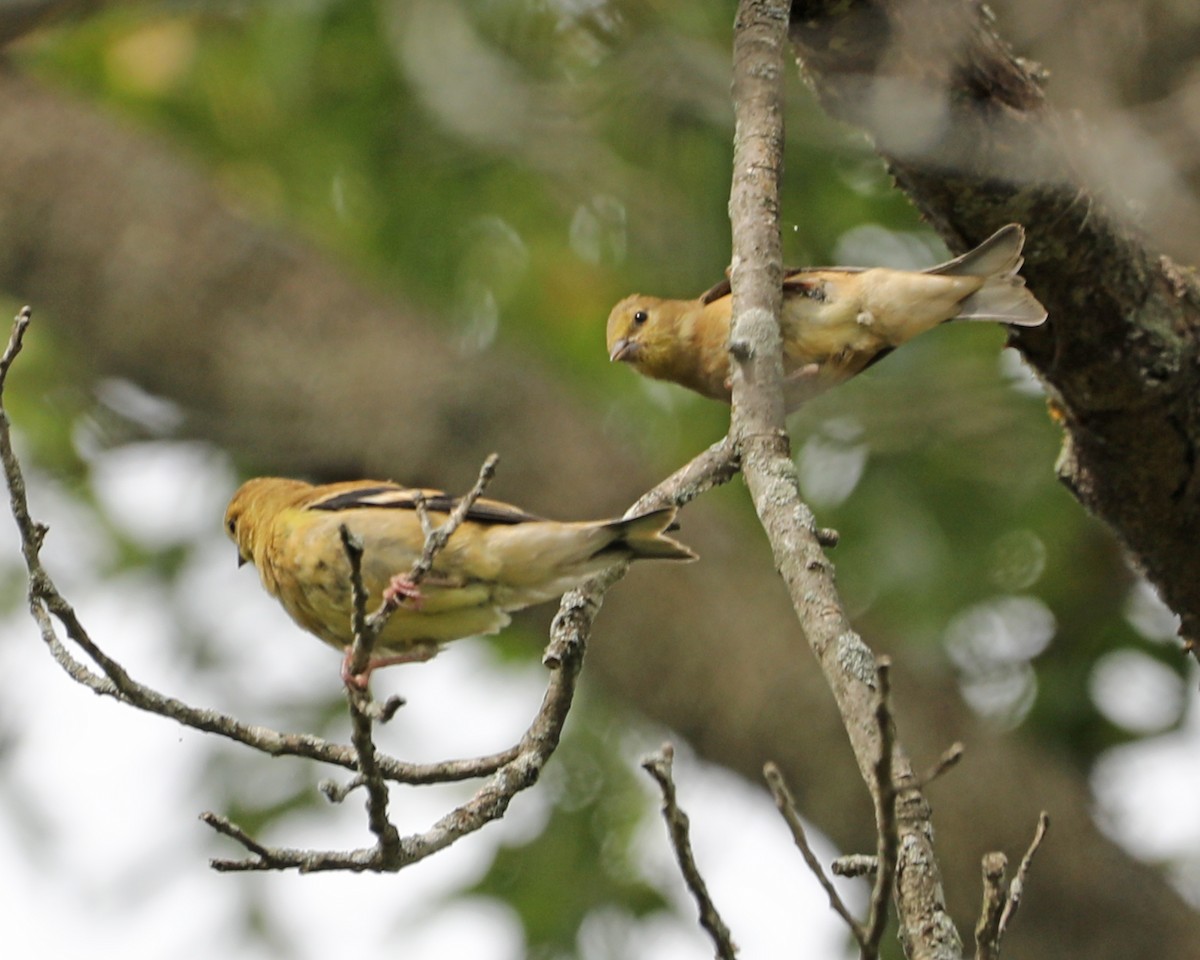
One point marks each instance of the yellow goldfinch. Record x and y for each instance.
(501, 559)
(836, 321)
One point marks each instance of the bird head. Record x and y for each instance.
(642, 333)
(253, 505)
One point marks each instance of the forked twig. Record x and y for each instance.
(999, 905)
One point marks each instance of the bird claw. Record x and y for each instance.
(809, 371)
(400, 589)
(355, 681)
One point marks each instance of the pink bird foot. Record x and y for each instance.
(400, 589)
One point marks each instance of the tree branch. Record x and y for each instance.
(241, 291)
(757, 425)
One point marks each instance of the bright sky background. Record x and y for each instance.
(104, 855)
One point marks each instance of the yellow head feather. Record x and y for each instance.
(678, 340)
(253, 505)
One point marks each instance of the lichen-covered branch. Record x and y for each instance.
(757, 426)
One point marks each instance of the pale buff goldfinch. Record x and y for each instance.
(836, 321)
(501, 559)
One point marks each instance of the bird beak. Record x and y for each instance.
(624, 350)
(241, 560)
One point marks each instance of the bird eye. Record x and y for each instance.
(232, 525)
(640, 317)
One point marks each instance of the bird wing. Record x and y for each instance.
(392, 496)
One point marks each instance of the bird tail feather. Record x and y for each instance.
(998, 254)
(645, 536)
(1004, 299)
(1003, 296)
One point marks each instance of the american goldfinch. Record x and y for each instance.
(836, 321)
(501, 559)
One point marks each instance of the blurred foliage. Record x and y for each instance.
(518, 167)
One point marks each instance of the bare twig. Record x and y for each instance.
(948, 760)
(422, 508)
(436, 537)
(359, 701)
(757, 426)
(855, 865)
(715, 466)
(435, 541)
(787, 806)
(658, 765)
(1017, 888)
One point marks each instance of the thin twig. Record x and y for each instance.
(787, 806)
(422, 507)
(436, 539)
(856, 865)
(1017, 888)
(948, 760)
(1000, 906)
(658, 765)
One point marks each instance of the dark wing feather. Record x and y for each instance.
(391, 497)
(794, 280)
(716, 292)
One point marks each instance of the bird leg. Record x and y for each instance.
(801, 385)
(419, 652)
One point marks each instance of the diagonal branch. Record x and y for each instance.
(367, 627)
(757, 426)
(787, 807)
